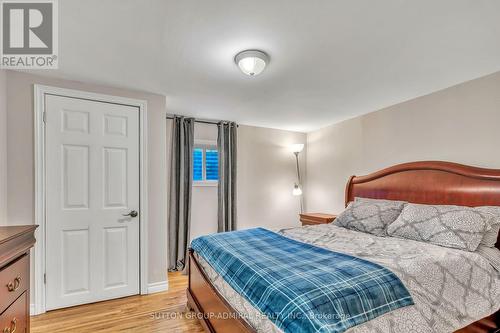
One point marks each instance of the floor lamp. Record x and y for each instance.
(297, 188)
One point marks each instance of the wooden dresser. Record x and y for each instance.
(15, 244)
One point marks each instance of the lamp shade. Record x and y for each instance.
(297, 190)
(297, 147)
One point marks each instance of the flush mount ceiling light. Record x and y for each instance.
(251, 62)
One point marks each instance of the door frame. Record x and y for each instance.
(40, 91)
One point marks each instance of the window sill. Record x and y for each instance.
(204, 183)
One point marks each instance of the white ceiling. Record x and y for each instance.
(330, 59)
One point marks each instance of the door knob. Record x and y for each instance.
(132, 213)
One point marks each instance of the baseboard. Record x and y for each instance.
(154, 287)
(157, 287)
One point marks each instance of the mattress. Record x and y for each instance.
(450, 288)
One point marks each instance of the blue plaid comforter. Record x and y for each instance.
(301, 287)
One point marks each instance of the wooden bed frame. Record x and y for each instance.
(417, 182)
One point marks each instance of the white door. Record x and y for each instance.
(92, 181)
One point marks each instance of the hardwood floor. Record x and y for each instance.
(151, 313)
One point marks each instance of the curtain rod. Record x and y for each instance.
(203, 121)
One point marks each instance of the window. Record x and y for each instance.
(205, 164)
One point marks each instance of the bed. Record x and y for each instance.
(219, 307)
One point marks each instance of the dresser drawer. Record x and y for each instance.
(14, 319)
(14, 280)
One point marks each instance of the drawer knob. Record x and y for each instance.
(13, 286)
(12, 328)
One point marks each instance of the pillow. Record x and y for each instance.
(491, 236)
(451, 226)
(369, 215)
(492, 254)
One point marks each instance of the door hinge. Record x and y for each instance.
(44, 116)
(44, 278)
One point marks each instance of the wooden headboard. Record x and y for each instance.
(430, 182)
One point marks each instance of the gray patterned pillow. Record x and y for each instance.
(370, 215)
(450, 226)
(492, 254)
(491, 236)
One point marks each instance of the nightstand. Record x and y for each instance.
(316, 218)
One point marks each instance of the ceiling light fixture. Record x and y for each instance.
(251, 62)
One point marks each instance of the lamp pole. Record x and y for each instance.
(296, 153)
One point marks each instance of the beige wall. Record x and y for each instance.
(459, 124)
(3, 147)
(266, 174)
(20, 151)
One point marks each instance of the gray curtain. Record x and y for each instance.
(179, 207)
(227, 142)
